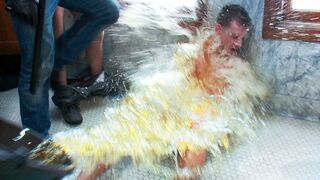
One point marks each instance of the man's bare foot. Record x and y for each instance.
(192, 159)
(190, 162)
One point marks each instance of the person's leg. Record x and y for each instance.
(96, 16)
(58, 30)
(58, 22)
(94, 55)
(34, 108)
(70, 112)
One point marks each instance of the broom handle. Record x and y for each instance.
(37, 47)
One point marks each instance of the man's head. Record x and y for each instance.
(233, 23)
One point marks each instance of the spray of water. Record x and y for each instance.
(165, 15)
(168, 109)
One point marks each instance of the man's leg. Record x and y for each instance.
(58, 30)
(94, 55)
(70, 112)
(34, 108)
(96, 16)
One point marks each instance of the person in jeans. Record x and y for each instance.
(94, 56)
(96, 16)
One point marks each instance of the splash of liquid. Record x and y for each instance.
(169, 109)
(165, 15)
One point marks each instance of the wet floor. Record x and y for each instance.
(284, 148)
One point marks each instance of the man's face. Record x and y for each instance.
(231, 37)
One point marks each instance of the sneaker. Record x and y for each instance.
(68, 95)
(71, 114)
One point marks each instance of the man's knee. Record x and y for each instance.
(110, 12)
(115, 14)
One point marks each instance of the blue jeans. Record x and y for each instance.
(96, 16)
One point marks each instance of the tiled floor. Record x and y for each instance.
(284, 148)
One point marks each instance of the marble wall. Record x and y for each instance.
(292, 68)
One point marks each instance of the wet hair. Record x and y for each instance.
(233, 12)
